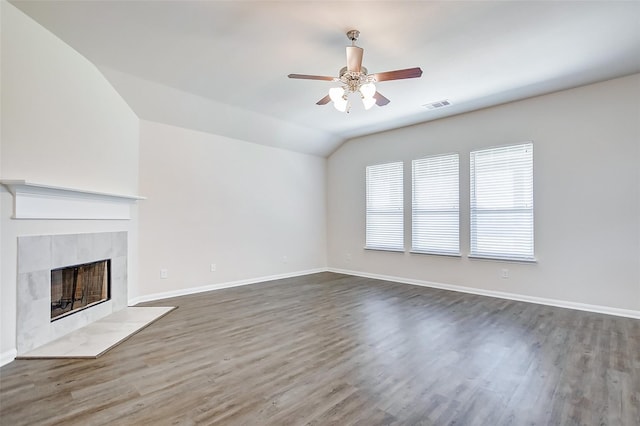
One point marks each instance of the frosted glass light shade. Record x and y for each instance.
(368, 102)
(340, 104)
(368, 90)
(336, 93)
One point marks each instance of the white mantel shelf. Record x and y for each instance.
(38, 201)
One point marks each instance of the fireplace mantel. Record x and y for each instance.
(38, 201)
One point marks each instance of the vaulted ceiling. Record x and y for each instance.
(222, 66)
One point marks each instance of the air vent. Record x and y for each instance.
(436, 105)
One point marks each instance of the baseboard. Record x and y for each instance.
(8, 356)
(218, 286)
(628, 313)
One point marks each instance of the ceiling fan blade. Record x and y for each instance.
(398, 74)
(354, 58)
(324, 100)
(380, 100)
(311, 77)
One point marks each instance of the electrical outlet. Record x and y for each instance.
(285, 259)
(164, 273)
(347, 257)
(504, 274)
(213, 267)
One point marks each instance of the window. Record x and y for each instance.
(502, 202)
(385, 219)
(436, 205)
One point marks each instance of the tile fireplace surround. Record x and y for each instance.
(37, 256)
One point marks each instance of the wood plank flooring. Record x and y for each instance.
(329, 349)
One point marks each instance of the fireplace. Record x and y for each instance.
(78, 287)
(37, 291)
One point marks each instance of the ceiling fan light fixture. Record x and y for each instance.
(368, 90)
(368, 102)
(336, 93)
(339, 97)
(341, 104)
(356, 78)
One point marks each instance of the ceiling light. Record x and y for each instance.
(355, 78)
(341, 104)
(336, 93)
(340, 95)
(368, 90)
(368, 102)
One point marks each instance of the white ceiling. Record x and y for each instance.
(221, 66)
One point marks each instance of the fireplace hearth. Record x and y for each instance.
(77, 287)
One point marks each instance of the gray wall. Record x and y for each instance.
(586, 186)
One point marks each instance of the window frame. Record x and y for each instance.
(397, 210)
(525, 181)
(418, 211)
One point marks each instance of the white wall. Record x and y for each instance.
(163, 104)
(64, 125)
(587, 196)
(242, 206)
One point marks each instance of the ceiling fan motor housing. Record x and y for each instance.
(353, 80)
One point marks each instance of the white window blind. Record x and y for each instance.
(384, 222)
(436, 205)
(502, 202)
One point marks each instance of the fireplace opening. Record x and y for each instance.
(77, 287)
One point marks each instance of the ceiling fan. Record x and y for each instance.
(355, 78)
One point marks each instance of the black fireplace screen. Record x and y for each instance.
(77, 287)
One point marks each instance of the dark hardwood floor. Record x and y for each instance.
(333, 349)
